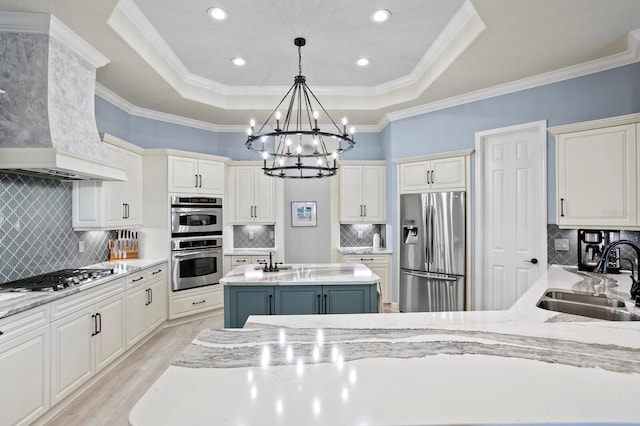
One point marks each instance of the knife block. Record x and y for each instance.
(132, 253)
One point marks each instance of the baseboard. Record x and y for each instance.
(183, 320)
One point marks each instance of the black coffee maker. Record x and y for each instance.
(591, 244)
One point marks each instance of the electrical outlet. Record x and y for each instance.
(360, 234)
(251, 235)
(81, 246)
(561, 244)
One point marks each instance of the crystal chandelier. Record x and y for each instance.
(296, 148)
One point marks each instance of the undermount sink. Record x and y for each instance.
(586, 305)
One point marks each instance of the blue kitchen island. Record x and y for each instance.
(299, 289)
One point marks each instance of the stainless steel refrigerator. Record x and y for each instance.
(432, 252)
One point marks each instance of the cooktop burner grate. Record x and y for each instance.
(57, 280)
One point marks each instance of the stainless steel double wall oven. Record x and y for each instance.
(196, 242)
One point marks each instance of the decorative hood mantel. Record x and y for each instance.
(47, 116)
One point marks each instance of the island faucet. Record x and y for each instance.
(604, 262)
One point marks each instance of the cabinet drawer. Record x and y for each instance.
(181, 306)
(71, 304)
(23, 322)
(146, 276)
(240, 260)
(366, 258)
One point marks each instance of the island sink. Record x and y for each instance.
(587, 305)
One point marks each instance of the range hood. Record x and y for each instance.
(47, 113)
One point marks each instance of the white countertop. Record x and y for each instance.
(521, 365)
(12, 302)
(250, 252)
(302, 274)
(364, 250)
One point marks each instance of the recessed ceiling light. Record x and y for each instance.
(238, 62)
(381, 15)
(362, 62)
(218, 13)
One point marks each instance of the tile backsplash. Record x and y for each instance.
(36, 235)
(571, 257)
(349, 235)
(263, 236)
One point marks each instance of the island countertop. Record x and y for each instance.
(521, 365)
(302, 274)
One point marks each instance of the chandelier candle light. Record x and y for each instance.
(296, 148)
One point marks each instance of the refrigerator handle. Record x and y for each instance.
(427, 230)
(415, 274)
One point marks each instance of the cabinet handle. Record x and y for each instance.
(200, 181)
(95, 325)
(319, 305)
(561, 207)
(255, 214)
(365, 210)
(156, 272)
(433, 176)
(137, 279)
(150, 296)
(198, 303)
(196, 185)
(99, 316)
(147, 302)
(360, 210)
(325, 304)
(124, 211)
(128, 211)
(362, 259)
(1, 333)
(428, 177)
(270, 300)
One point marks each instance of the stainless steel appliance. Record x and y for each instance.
(591, 244)
(55, 281)
(192, 216)
(196, 262)
(432, 252)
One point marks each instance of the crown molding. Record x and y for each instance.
(595, 124)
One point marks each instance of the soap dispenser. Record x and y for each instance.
(376, 240)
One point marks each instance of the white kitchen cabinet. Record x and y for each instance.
(597, 182)
(111, 204)
(362, 193)
(253, 195)
(24, 366)
(189, 175)
(197, 300)
(379, 265)
(146, 302)
(88, 335)
(442, 174)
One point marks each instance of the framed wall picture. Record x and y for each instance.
(303, 213)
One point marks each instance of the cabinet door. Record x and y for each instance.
(240, 302)
(72, 356)
(243, 193)
(413, 176)
(24, 368)
(110, 339)
(134, 189)
(351, 203)
(115, 192)
(87, 204)
(158, 306)
(346, 299)
(596, 177)
(136, 304)
(448, 173)
(374, 194)
(298, 300)
(264, 190)
(212, 173)
(182, 175)
(382, 270)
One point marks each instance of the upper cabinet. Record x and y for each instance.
(195, 176)
(252, 195)
(597, 174)
(433, 175)
(111, 204)
(362, 192)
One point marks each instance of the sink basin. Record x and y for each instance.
(584, 298)
(587, 310)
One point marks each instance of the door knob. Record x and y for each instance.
(533, 260)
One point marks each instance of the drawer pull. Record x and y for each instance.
(363, 259)
(1, 333)
(198, 303)
(137, 279)
(156, 272)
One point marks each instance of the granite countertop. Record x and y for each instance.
(364, 250)
(13, 302)
(250, 252)
(524, 364)
(302, 274)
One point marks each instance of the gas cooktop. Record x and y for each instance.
(58, 280)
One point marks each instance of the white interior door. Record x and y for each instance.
(511, 213)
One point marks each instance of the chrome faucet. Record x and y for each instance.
(604, 262)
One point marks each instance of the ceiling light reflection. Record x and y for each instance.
(381, 15)
(250, 376)
(320, 337)
(283, 338)
(266, 356)
(316, 406)
(254, 392)
(300, 367)
(352, 377)
(289, 354)
(316, 354)
(279, 406)
(340, 362)
(345, 394)
(335, 354)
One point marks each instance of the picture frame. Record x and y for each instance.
(303, 213)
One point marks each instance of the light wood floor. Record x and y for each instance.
(109, 401)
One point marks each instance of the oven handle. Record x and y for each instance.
(195, 253)
(207, 210)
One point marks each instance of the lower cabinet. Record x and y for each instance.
(240, 302)
(85, 342)
(380, 265)
(184, 303)
(24, 366)
(146, 297)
